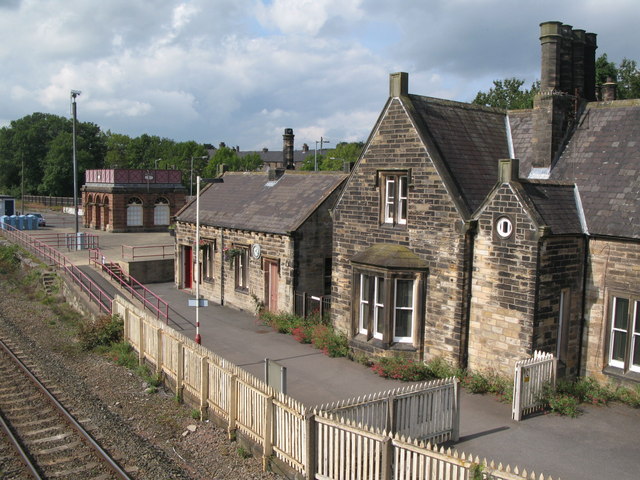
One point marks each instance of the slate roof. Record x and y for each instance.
(521, 123)
(603, 159)
(555, 204)
(469, 140)
(249, 201)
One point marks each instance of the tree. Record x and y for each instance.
(605, 69)
(334, 159)
(508, 94)
(628, 79)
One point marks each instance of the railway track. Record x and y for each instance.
(53, 443)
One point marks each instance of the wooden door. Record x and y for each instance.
(271, 285)
(187, 277)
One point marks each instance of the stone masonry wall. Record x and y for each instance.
(222, 288)
(432, 232)
(614, 269)
(561, 269)
(503, 287)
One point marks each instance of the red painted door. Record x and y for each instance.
(188, 267)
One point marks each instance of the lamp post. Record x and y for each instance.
(155, 163)
(191, 176)
(74, 94)
(198, 338)
(321, 141)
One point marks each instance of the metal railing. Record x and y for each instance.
(129, 252)
(149, 300)
(69, 241)
(306, 305)
(54, 258)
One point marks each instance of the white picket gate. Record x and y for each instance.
(531, 377)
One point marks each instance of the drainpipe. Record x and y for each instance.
(221, 266)
(583, 320)
(470, 229)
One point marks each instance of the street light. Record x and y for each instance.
(74, 94)
(191, 176)
(321, 141)
(198, 338)
(155, 163)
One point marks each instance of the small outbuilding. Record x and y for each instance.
(127, 200)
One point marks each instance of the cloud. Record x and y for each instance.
(241, 71)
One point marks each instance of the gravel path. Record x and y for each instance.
(150, 433)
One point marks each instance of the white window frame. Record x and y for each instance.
(395, 198)
(378, 307)
(135, 214)
(161, 212)
(411, 308)
(208, 259)
(363, 313)
(632, 333)
(242, 268)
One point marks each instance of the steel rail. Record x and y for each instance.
(113, 466)
(26, 459)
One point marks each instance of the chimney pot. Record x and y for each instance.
(287, 149)
(508, 170)
(609, 90)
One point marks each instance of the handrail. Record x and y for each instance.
(56, 259)
(130, 251)
(148, 299)
(91, 240)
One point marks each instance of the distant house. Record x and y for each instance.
(278, 159)
(263, 237)
(480, 235)
(126, 200)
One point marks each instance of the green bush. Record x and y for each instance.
(585, 390)
(281, 322)
(561, 403)
(400, 368)
(105, 331)
(8, 259)
(476, 382)
(440, 368)
(330, 342)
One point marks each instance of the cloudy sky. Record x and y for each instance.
(240, 71)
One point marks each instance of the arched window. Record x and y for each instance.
(161, 212)
(134, 212)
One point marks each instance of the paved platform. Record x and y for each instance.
(603, 443)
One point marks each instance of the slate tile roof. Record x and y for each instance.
(603, 159)
(555, 204)
(249, 201)
(469, 139)
(521, 123)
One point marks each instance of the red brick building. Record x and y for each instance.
(123, 200)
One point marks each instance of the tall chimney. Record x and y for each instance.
(287, 149)
(551, 42)
(590, 66)
(578, 62)
(398, 84)
(566, 59)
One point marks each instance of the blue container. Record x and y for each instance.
(13, 221)
(3, 221)
(21, 224)
(31, 222)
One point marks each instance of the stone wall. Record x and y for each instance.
(614, 269)
(222, 288)
(433, 232)
(560, 270)
(504, 287)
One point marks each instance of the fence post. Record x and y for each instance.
(267, 448)
(455, 427)
(387, 458)
(310, 446)
(517, 387)
(204, 387)
(233, 408)
(141, 341)
(159, 358)
(180, 372)
(391, 417)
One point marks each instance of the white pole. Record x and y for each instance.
(198, 259)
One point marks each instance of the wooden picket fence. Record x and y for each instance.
(313, 444)
(531, 377)
(423, 411)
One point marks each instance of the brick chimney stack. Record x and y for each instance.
(609, 90)
(567, 79)
(287, 149)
